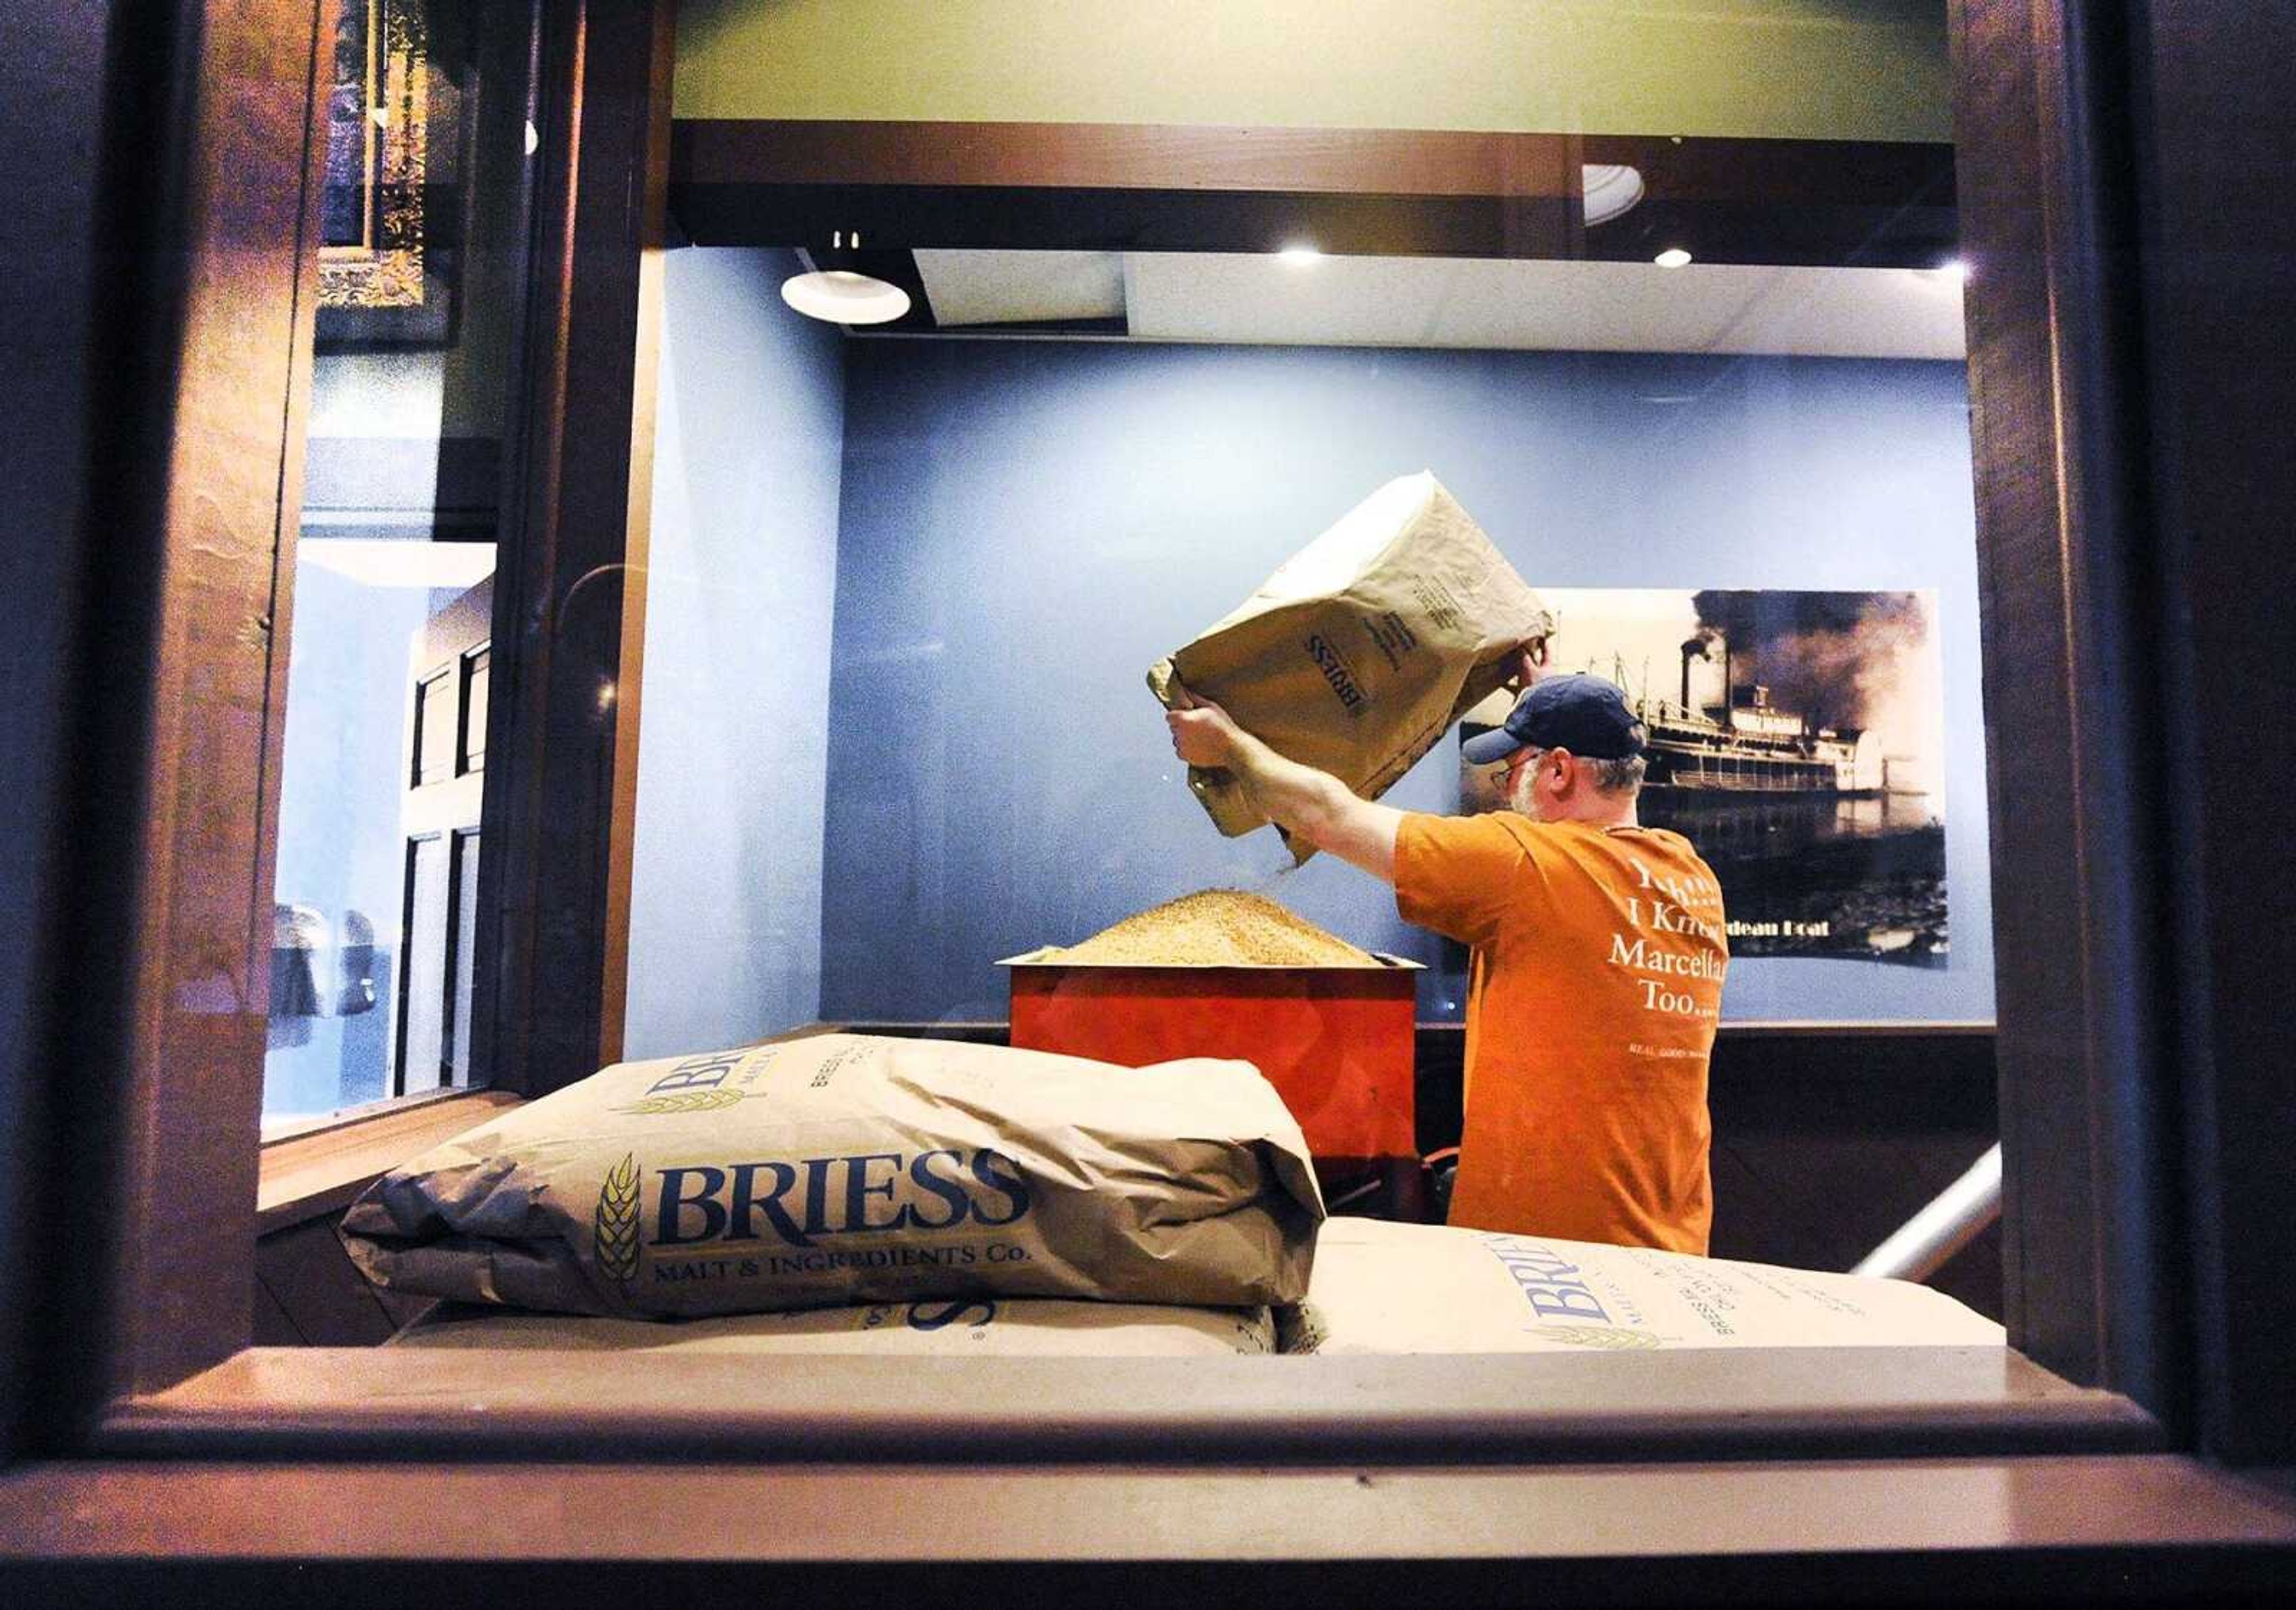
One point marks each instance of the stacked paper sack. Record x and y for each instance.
(845, 1193)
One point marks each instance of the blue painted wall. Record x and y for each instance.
(1026, 526)
(727, 887)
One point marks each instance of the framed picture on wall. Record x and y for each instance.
(392, 206)
(1796, 738)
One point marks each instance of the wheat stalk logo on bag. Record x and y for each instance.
(695, 1085)
(684, 1101)
(847, 1169)
(1609, 1338)
(617, 1221)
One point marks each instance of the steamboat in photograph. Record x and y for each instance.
(1744, 745)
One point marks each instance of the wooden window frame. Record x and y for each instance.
(176, 1088)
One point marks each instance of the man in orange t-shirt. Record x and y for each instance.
(1599, 952)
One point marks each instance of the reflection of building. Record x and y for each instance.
(1744, 744)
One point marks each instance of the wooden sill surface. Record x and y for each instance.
(1722, 1402)
(305, 1176)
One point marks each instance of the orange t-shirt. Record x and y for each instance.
(1591, 1010)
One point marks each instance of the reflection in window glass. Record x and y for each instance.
(423, 272)
(1664, 299)
(462, 958)
(1764, 534)
(475, 681)
(424, 1003)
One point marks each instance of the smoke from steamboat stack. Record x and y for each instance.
(1830, 658)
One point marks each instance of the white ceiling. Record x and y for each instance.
(1456, 302)
(398, 562)
(1016, 287)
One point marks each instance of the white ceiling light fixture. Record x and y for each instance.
(841, 296)
(1300, 254)
(1673, 256)
(1612, 190)
(1953, 271)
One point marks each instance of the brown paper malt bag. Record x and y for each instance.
(1004, 1328)
(1416, 1288)
(1356, 656)
(847, 1168)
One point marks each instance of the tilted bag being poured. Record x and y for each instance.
(1356, 656)
(849, 1168)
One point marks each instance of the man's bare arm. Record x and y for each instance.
(1310, 804)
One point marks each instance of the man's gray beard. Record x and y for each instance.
(1520, 797)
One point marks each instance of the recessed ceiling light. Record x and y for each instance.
(1300, 254)
(842, 297)
(1673, 256)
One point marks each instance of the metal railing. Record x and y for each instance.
(1926, 1242)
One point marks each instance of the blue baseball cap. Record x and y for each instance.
(1585, 714)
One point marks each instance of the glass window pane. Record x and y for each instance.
(475, 681)
(462, 960)
(1666, 303)
(435, 729)
(423, 274)
(429, 907)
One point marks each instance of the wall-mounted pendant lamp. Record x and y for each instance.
(839, 294)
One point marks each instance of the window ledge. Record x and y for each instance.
(305, 1176)
(1729, 1404)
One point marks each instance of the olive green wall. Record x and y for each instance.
(1864, 69)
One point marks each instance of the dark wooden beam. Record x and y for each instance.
(2215, 250)
(1817, 203)
(1782, 173)
(547, 919)
(2069, 633)
(212, 126)
(637, 537)
(1123, 155)
(1401, 193)
(1037, 218)
(69, 389)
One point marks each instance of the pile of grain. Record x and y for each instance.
(1217, 927)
